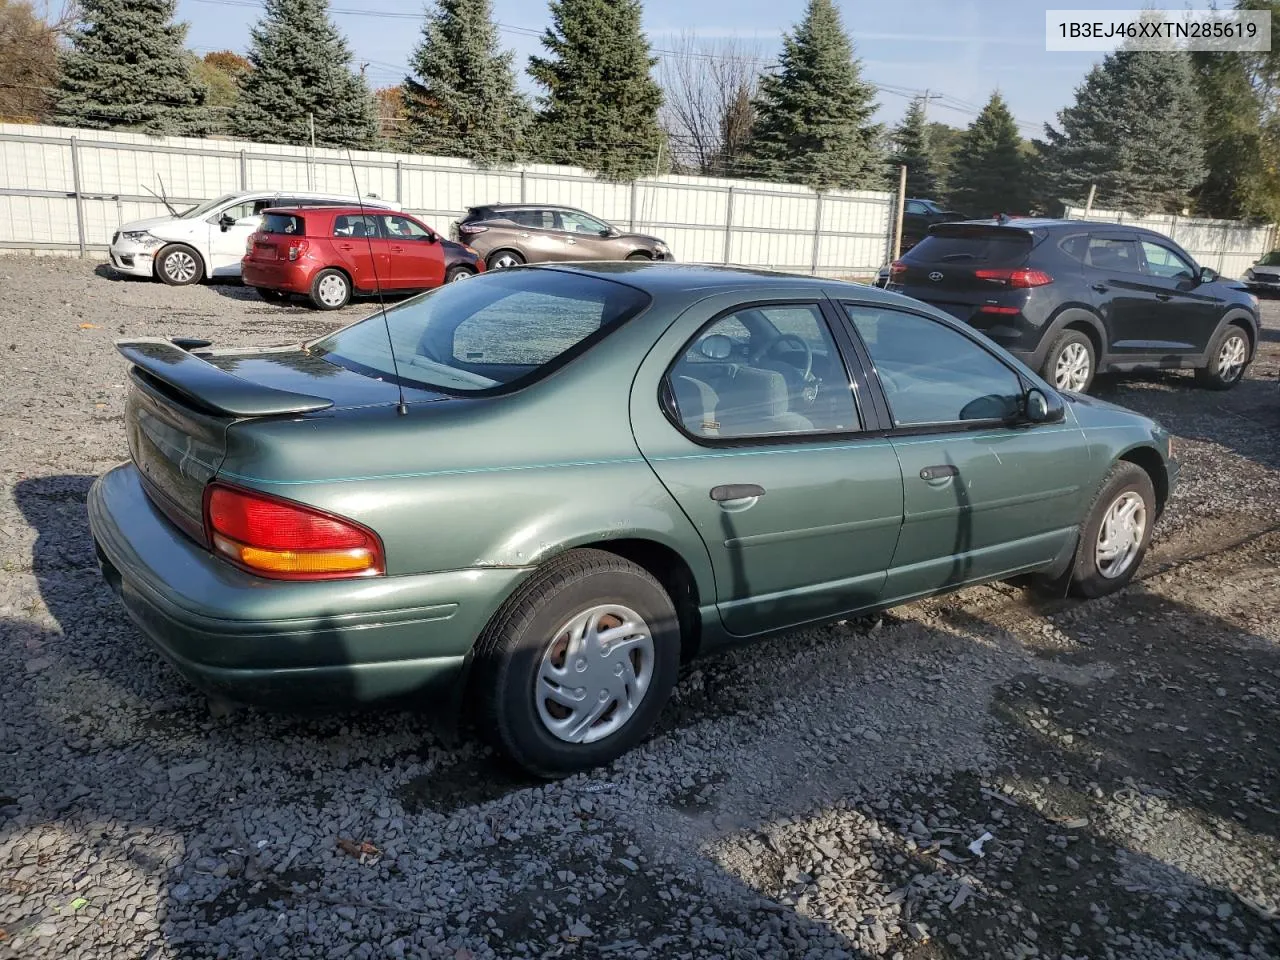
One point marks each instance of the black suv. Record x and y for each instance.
(919, 215)
(1070, 298)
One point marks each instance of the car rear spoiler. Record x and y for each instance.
(209, 386)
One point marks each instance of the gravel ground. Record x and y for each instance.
(823, 795)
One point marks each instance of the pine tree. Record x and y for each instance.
(600, 109)
(128, 69)
(301, 68)
(914, 152)
(462, 99)
(1134, 130)
(813, 117)
(989, 172)
(944, 141)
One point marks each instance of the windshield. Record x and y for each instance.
(503, 329)
(1272, 259)
(207, 207)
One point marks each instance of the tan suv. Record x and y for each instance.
(507, 234)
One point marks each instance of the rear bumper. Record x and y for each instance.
(281, 644)
(293, 276)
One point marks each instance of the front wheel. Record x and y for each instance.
(639, 256)
(1116, 534)
(330, 290)
(1071, 363)
(179, 265)
(457, 273)
(1228, 360)
(574, 669)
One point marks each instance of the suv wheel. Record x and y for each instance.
(575, 667)
(503, 258)
(179, 265)
(1228, 359)
(1071, 363)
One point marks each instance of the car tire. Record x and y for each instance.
(500, 259)
(330, 289)
(1229, 358)
(528, 640)
(179, 265)
(1127, 487)
(1071, 362)
(272, 296)
(639, 256)
(460, 272)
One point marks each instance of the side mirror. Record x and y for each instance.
(432, 237)
(1043, 408)
(716, 347)
(611, 233)
(226, 222)
(1208, 275)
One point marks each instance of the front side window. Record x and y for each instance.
(915, 206)
(932, 374)
(207, 207)
(1163, 262)
(405, 229)
(762, 372)
(1116, 256)
(239, 211)
(580, 223)
(507, 328)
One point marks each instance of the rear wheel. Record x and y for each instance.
(458, 273)
(179, 265)
(1116, 534)
(638, 256)
(501, 259)
(1228, 359)
(330, 289)
(574, 669)
(1071, 362)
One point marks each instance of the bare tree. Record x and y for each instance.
(708, 88)
(29, 37)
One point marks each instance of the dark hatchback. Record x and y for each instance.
(1071, 298)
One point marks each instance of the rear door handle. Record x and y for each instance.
(397, 249)
(1163, 296)
(939, 472)
(346, 246)
(1101, 287)
(736, 491)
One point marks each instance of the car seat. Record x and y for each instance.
(751, 400)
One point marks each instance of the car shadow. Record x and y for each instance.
(197, 832)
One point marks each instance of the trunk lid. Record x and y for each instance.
(182, 405)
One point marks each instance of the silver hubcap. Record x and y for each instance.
(506, 260)
(1072, 369)
(594, 673)
(459, 275)
(332, 290)
(1231, 357)
(1120, 536)
(180, 266)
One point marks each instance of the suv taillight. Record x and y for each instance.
(283, 540)
(896, 271)
(1016, 277)
(297, 248)
(470, 228)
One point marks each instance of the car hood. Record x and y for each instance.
(148, 223)
(295, 370)
(1266, 271)
(1092, 412)
(641, 237)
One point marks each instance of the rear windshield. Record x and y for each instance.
(284, 223)
(1002, 248)
(496, 331)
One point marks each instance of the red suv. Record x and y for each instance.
(330, 253)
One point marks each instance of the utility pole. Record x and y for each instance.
(897, 224)
(924, 103)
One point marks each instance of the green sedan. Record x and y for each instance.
(532, 496)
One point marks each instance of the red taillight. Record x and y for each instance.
(297, 248)
(1016, 277)
(897, 270)
(278, 538)
(471, 228)
(992, 308)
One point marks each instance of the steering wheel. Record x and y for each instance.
(807, 373)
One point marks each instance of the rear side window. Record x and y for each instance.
(997, 248)
(538, 219)
(1119, 256)
(355, 225)
(284, 223)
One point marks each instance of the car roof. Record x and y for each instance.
(340, 210)
(313, 195)
(527, 206)
(654, 278)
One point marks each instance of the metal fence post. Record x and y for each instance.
(523, 198)
(728, 229)
(399, 173)
(817, 234)
(244, 171)
(75, 183)
(634, 193)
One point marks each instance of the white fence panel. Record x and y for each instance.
(1228, 246)
(71, 189)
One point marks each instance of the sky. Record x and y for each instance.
(962, 49)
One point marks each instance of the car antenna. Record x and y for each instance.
(401, 408)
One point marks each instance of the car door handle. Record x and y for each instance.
(525, 236)
(736, 491)
(346, 246)
(397, 249)
(1101, 287)
(1164, 296)
(939, 472)
(571, 240)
